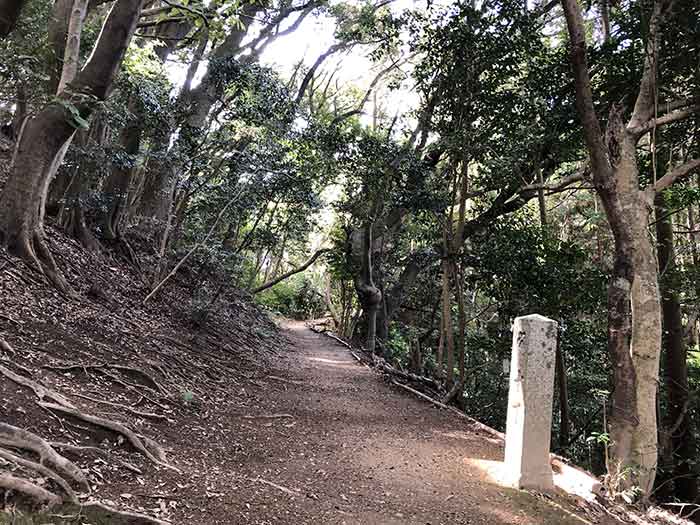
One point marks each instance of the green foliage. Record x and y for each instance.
(73, 114)
(296, 298)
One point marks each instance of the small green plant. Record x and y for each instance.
(188, 397)
(599, 438)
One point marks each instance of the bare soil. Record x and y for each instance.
(265, 425)
(361, 451)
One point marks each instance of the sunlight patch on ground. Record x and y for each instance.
(495, 472)
(571, 480)
(332, 362)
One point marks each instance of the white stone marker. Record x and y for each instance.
(529, 423)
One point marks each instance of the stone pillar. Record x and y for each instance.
(529, 423)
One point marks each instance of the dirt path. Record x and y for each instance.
(347, 448)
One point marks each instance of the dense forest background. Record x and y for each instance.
(439, 169)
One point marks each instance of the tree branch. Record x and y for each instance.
(667, 118)
(593, 135)
(675, 174)
(312, 71)
(271, 32)
(368, 93)
(561, 184)
(295, 271)
(194, 248)
(644, 105)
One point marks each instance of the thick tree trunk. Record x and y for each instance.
(634, 323)
(369, 295)
(9, 14)
(157, 195)
(679, 439)
(21, 228)
(394, 297)
(45, 136)
(634, 328)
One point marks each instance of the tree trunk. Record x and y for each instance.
(156, 198)
(449, 347)
(461, 332)
(439, 353)
(367, 292)
(679, 446)
(415, 357)
(605, 19)
(47, 133)
(116, 187)
(58, 36)
(634, 323)
(71, 56)
(633, 295)
(71, 214)
(563, 391)
(694, 241)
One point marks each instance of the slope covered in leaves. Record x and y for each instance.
(159, 369)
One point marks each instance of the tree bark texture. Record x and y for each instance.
(47, 133)
(71, 55)
(367, 292)
(634, 322)
(679, 438)
(116, 188)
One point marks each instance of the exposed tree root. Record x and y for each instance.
(130, 435)
(21, 439)
(5, 346)
(41, 469)
(30, 245)
(118, 517)
(102, 368)
(41, 391)
(124, 407)
(76, 449)
(37, 493)
(157, 451)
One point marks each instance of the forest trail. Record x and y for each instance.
(348, 448)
